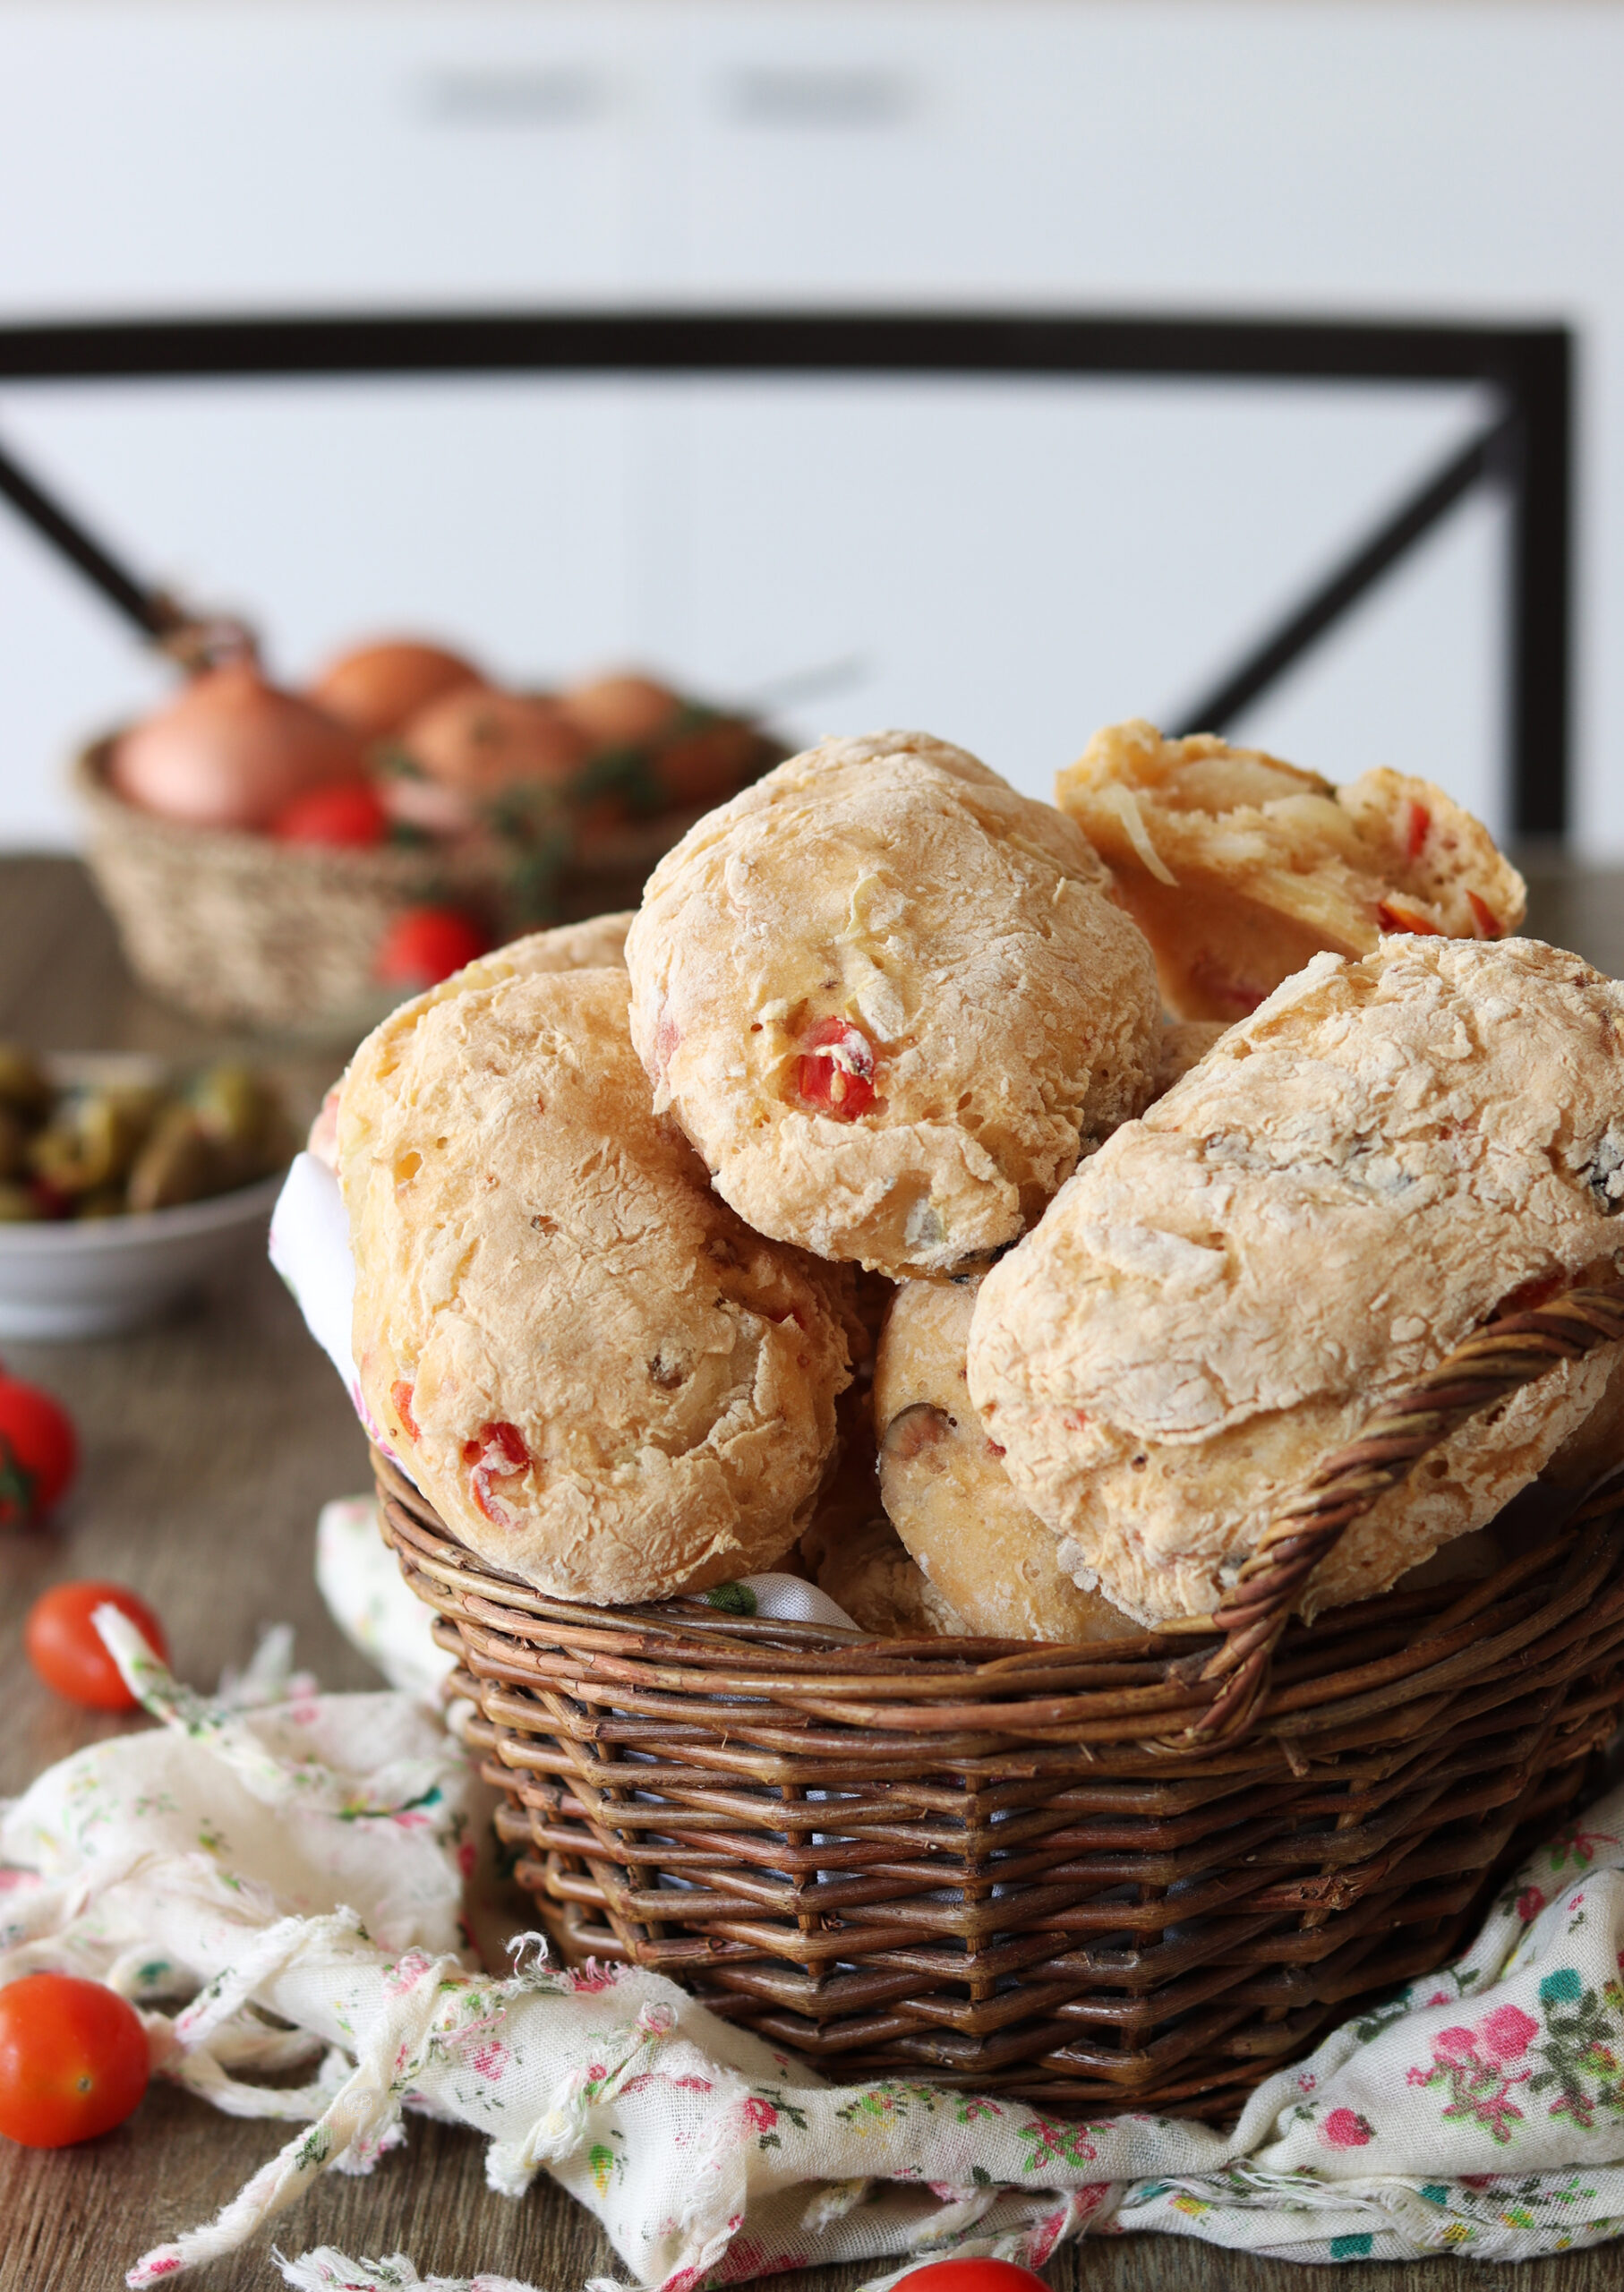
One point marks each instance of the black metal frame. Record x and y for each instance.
(1527, 449)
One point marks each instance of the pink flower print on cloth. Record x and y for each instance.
(1480, 2069)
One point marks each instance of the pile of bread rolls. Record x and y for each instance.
(989, 1209)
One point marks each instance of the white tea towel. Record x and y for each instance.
(306, 1860)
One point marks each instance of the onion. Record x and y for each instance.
(231, 750)
(480, 740)
(376, 689)
(619, 711)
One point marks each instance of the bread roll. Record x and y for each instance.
(603, 1381)
(890, 1002)
(1239, 867)
(986, 1554)
(1350, 1183)
(862, 1563)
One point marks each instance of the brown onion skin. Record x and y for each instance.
(230, 751)
(480, 740)
(377, 689)
(619, 711)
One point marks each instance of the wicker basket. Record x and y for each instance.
(1141, 1874)
(239, 929)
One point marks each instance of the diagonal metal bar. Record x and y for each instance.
(1346, 582)
(151, 612)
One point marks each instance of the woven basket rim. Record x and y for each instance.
(1132, 1688)
(901, 1692)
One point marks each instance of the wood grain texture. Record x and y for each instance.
(209, 1445)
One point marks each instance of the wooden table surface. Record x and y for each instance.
(209, 1446)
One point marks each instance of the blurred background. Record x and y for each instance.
(1009, 564)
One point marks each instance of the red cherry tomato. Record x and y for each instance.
(425, 944)
(972, 2275)
(352, 813)
(64, 1646)
(73, 2060)
(836, 1073)
(498, 1455)
(38, 1451)
(1489, 924)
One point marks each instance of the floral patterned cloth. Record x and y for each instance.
(305, 1860)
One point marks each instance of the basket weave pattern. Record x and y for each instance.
(1144, 1873)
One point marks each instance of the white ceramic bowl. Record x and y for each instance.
(103, 1275)
(108, 1274)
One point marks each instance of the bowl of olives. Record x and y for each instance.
(124, 1187)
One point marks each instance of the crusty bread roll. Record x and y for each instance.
(890, 1002)
(1594, 1450)
(1349, 1183)
(598, 943)
(603, 1381)
(981, 1549)
(1239, 867)
(1183, 1044)
(862, 1563)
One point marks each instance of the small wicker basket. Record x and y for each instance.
(1141, 1873)
(244, 930)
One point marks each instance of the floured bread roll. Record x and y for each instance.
(1594, 1450)
(864, 1567)
(943, 1483)
(591, 945)
(1351, 1181)
(599, 1376)
(1239, 867)
(1183, 1044)
(890, 1002)
(851, 1550)
(597, 945)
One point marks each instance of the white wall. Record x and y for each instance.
(1009, 567)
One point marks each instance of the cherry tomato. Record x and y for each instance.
(836, 1073)
(38, 1451)
(424, 944)
(351, 813)
(64, 1646)
(972, 2275)
(1393, 916)
(1489, 926)
(73, 2060)
(498, 1455)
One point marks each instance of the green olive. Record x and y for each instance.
(14, 1143)
(24, 1086)
(180, 1162)
(232, 1103)
(102, 1201)
(103, 1149)
(93, 1137)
